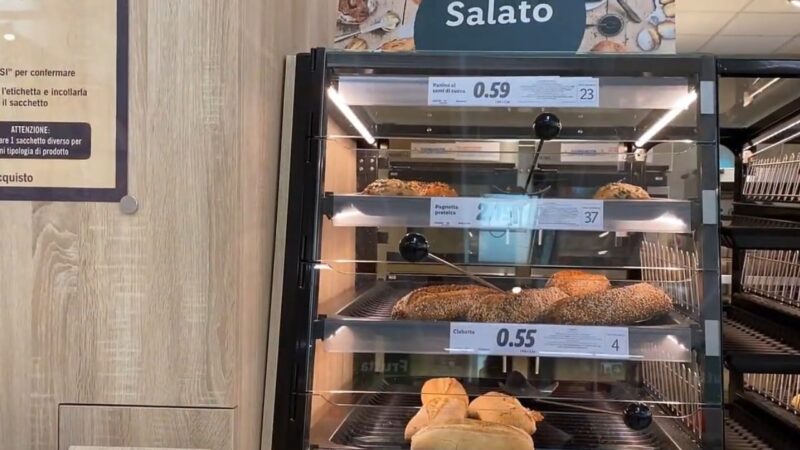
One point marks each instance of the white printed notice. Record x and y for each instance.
(539, 340)
(59, 100)
(576, 92)
(520, 213)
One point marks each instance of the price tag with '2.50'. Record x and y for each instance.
(514, 214)
(539, 340)
(575, 92)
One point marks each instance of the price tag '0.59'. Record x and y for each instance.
(574, 92)
(539, 340)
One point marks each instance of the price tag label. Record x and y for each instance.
(574, 92)
(580, 215)
(539, 340)
(514, 214)
(485, 213)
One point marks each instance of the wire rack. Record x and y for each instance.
(774, 274)
(781, 389)
(675, 271)
(775, 179)
(680, 384)
(737, 437)
(379, 421)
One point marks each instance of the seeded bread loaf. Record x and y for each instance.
(576, 282)
(394, 187)
(443, 302)
(621, 306)
(529, 306)
(621, 191)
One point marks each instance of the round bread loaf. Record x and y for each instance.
(618, 191)
(576, 282)
(500, 408)
(621, 306)
(447, 388)
(472, 435)
(529, 306)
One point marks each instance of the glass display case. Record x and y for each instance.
(489, 243)
(760, 123)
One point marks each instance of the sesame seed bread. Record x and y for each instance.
(621, 306)
(529, 306)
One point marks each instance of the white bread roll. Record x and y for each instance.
(444, 387)
(472, 435)
(440, 410)
(500, 408)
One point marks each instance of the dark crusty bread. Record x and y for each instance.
(576, 282)
(621, 191)
(621, 306)
(529, 306)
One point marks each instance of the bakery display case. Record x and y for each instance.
(759, 124)
(499, 251)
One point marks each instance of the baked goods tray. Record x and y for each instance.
(379, 420)
(365, 326)
(744, 232)
(645, 216)
(748, 349)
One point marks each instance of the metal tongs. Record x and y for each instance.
(414, 247)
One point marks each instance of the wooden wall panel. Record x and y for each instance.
(145, 428)
(168, 306)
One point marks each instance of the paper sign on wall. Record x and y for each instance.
(63, 101)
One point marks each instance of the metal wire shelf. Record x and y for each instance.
(774, 274)
(774, 179)
(781, 389)
(675, 271)
(681, 385)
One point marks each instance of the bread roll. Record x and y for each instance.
(448, 388)
(448, 302)
(500, 408)
(529, 306)
(389, 187)
(576, 282)
(472, 435)
(440, 410)
(614, 191)
(609, 47)
(621, 306)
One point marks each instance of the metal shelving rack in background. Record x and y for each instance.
(762, 231)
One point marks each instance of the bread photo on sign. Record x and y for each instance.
(353, 12)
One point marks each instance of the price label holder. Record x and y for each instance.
(516, 214)
(579, 215)
(586, 342)
(568, 92)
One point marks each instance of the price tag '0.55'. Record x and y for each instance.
(573, 92)
(539, 340)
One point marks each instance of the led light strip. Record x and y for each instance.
(350, 115)
(679, 107)
(761, 141)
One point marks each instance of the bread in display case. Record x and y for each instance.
(532, 270)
